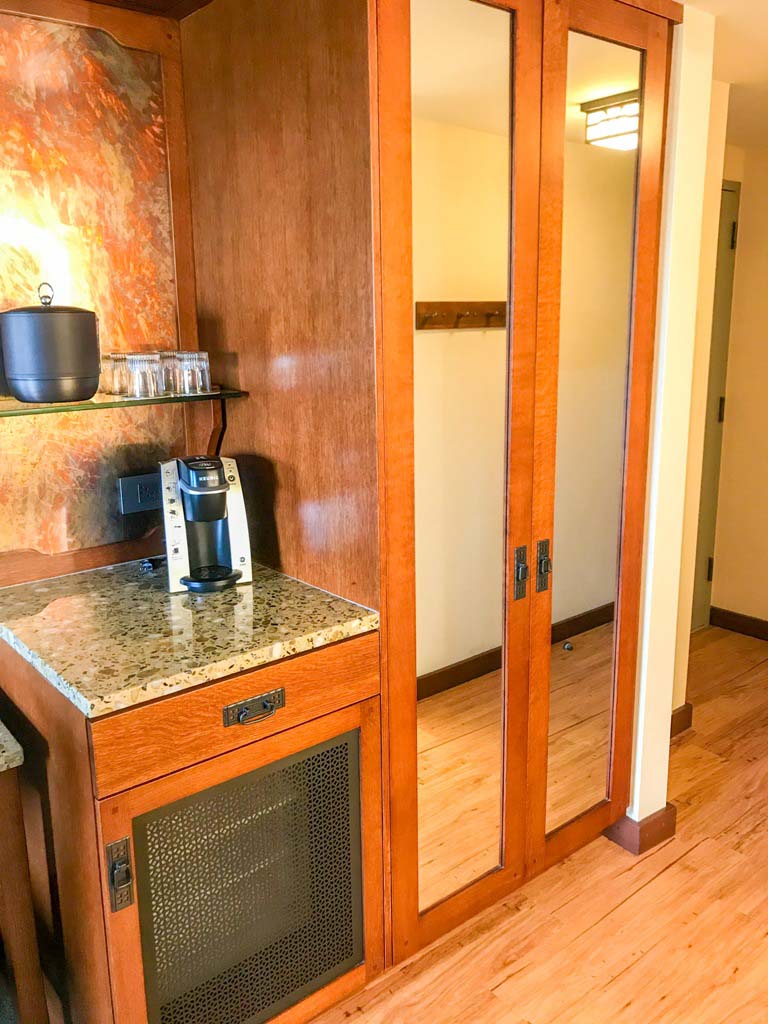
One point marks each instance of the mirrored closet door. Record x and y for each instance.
(462, 623)
(521, 150)
(461, 163)
(603, 117)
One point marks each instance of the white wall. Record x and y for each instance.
(598, 230)
(718, 123)
(741, 548)
(460, 200)
(461, 183)
(690, 102)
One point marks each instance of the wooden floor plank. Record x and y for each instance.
(679, 936)
(459, 742)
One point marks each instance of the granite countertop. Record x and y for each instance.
(112, 638)
(11, 754)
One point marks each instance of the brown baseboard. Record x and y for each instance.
(640, 836)
(460, 672)
(582, 623)
(682, 719)
(738, 623)
(490, 661)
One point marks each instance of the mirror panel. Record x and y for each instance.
(599, 215)
(461, 187)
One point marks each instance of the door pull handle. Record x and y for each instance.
(255, 709)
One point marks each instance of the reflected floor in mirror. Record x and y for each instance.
(459, 743)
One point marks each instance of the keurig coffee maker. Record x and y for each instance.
(206, 531)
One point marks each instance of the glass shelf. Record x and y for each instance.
(12, 407)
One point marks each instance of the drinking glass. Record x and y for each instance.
(105, 376)
(204, 367)
(169, 368)
(143, 374)
(189, 380)
(118, 373)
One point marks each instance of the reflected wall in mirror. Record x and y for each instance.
(600, 174)
(461, 186)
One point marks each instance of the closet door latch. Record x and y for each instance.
(522, 573)
(543, 566)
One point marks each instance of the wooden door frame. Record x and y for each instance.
(614, 21)
(115, 817)
(393, 261)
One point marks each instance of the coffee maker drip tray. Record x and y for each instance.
(208, 579)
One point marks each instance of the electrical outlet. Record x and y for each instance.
(140, 493)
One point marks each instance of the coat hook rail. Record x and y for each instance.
(457, 316)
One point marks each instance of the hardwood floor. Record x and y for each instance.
(679, 936)
(459, 744)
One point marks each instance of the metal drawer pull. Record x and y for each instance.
(255, 709)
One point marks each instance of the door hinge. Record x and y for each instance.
(120, 874)
(734, 234)
(543, 566)
(710, 569)
(522, 573)
(721, 410)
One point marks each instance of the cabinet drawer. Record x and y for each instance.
(147, 742)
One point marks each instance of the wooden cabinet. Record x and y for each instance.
(255, 881)
(152, 740)
(236, 874)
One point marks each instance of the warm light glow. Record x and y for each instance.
(613, 123)
(61, 254)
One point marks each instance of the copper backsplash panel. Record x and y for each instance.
(84, 204)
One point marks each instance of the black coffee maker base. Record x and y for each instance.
(209, 579)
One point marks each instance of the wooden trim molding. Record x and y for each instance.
(669, 9)
(640, 836)
(135, 29)
(682, 719)
(748, 625)
(460, 672)
(583, 622)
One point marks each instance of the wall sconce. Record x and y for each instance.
(614, 122)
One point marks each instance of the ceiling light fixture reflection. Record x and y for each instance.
(614, 121)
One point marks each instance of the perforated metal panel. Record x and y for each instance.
(250, 893)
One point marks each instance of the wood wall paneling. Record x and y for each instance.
(280, 159)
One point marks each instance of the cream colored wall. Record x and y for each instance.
(741, 547)
(735, 163)
(461, 184)
(598, 228)
(716, 156)
(460, 386)
(684, 184)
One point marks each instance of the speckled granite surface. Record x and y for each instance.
(11, 755)
(112, 638)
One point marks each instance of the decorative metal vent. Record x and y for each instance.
(250, 893)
